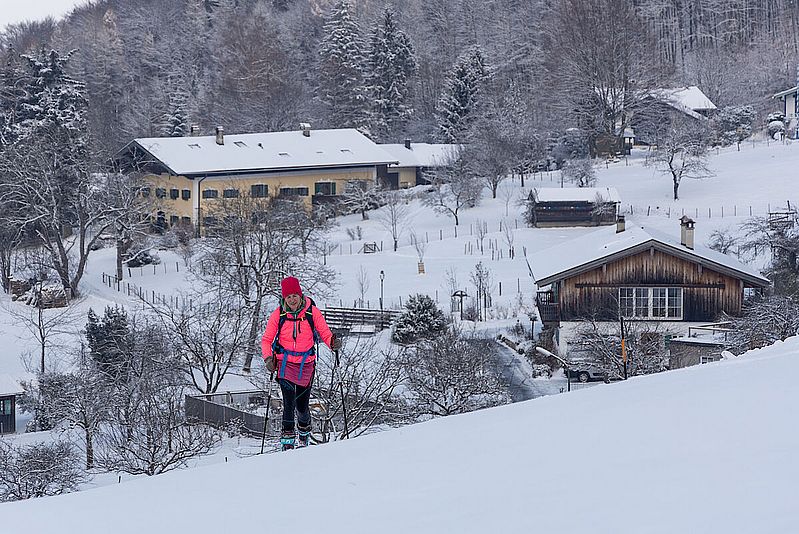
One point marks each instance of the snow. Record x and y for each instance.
(16, 11)
(607, 243)
(9, 386)
(690, 97)
(578, 194)
(188, 156)
(703, 449)
(422, 154)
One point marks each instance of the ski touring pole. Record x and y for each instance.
(343, 401)
(266, 417)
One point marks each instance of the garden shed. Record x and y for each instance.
(574, 206)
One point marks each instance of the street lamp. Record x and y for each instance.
(544, 352)
(382, 277)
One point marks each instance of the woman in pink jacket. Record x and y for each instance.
(290, 334)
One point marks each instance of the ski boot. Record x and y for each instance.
(305, 436)
(287, 440)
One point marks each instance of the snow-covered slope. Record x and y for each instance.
(709, 449)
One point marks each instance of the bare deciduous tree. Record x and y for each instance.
(453, 373)
(454, 188)
(394, 215)
(682, 151)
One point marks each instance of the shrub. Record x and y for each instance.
(421, 320)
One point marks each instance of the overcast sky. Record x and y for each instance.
(12, 11)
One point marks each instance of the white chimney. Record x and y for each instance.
(687, 232)
(220, 135)
(194, 130)
(620, 224)
(306, 129)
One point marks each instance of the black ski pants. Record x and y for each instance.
(295, 398)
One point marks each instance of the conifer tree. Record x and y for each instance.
(421, 320)
(110, 341)
(460, 101)
(342, 87)
(391, 66)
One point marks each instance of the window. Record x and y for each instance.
(210, 193)
(174, 194)
(651, 303)
(230, 193)
(283, 154)
(194, 146)
(160, 192)
(325, 188)
(185, 194)
(185, 220)
(294, 191)
(209, 221)
(259, 191)
(173, 220)
(5, 407)
(240, 144)
(145, 192)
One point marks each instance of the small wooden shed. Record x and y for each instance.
(574, 206)
(9, 391)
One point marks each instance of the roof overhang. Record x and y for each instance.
(787, 92)
(682, 253)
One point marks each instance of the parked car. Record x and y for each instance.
(587, 373)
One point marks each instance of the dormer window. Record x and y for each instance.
(194, 146)
(283, 154)
(240, 144)
(346, 151)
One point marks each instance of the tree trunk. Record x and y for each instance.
(676, 186)
(395, 244)
(252, 341)
(89, 449)
(120, 246)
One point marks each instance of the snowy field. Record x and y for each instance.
(697, 450)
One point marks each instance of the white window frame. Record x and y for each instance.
(641, 303)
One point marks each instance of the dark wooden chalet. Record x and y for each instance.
(574, 206)
(640, 274)
(9, 391)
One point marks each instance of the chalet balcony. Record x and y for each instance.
(548, 307)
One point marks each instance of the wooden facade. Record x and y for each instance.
(8, 414)
(573, 213)
(705, 293)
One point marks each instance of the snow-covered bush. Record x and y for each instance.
(774, 128)
(733, 124)
(421, 320)
(39, 470)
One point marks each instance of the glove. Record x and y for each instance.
(335, 343)
(271, 363)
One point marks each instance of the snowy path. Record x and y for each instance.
(517, 374)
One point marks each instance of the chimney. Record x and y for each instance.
(687, 232)
(306, 129)
(220, 135)
(194, 130)
(408, 144)
(620, 224)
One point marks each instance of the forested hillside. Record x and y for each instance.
(424, 69)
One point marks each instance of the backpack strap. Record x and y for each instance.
(308, 316)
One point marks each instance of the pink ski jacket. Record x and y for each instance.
(296, 335)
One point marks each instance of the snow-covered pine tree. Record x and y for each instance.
(342, 88)
(391, 66)
(176, 122)
(421, 320)
(459, 102)
(110, 341)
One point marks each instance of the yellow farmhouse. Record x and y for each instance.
(188, 175)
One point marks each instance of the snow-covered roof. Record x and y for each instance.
(577, 194)
(590, 250)
(422, 154)
(9, 386)
(273, 151)
(787, 92)
(691, 97)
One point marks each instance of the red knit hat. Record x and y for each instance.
(289, 286)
